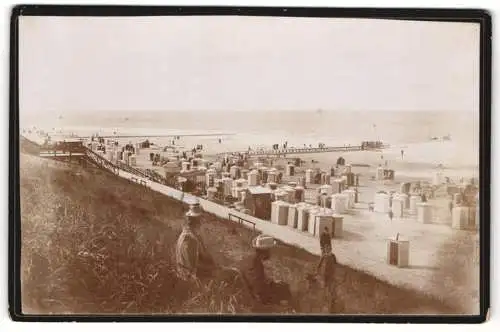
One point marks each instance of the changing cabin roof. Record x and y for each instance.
(257, 190)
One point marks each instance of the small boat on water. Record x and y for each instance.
(443, 138)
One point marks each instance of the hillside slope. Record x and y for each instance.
(95, 243)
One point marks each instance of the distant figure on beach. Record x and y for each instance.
(391, 215)
(193, 260)
(450, 206)
(220, 141)
(402, 154)
(370, 207)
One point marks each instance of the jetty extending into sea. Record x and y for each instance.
(295, 151)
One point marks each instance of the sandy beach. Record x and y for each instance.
(363, 245)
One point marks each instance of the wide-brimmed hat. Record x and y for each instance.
(263, 242)
(193, 216)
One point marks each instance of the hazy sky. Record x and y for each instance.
(244, 63)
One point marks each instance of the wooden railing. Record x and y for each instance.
(100, 161)
(139, 181)
(154, 176)
(123, 166)
(60, 153)
(241, 220)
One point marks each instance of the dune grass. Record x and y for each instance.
(95, 243)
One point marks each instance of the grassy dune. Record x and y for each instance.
(95, 243)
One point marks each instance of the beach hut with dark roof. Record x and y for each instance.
(258, 201)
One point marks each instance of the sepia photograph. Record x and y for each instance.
(249, 165)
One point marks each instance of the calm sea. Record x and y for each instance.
(296, 127)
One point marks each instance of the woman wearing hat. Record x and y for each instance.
(263, 289)
(193, 260)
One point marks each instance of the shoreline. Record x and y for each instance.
(423, 155)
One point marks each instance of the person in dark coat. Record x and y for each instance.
(325, 238)
(192, 258)
(327, 268)
(262, 288)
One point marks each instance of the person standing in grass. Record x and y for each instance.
(325, 239)
(193, 260)
(391, 215)
(326, 268)
(262, 288)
